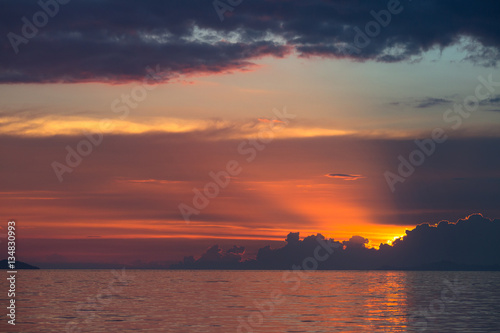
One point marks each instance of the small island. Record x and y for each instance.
(19, 265)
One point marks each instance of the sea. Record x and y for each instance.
(252, 301)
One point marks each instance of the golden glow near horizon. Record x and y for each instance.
(309, 207)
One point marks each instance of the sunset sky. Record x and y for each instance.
(169, 94)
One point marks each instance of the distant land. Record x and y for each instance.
(470, 244)
(18, 265)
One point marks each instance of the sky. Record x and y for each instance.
(134, 133)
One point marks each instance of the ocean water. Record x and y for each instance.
(253, 301)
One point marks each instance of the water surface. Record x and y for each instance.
(254, 301)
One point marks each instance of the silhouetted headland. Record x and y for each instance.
(19, 265)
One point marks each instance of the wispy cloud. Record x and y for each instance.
(431, 101)
(344, 176)
(493, 100)
(147, 181)
(421, 103)
(214, 128)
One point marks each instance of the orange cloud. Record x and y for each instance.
(265, 120)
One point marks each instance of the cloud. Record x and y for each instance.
(356, 241)
(146, 181)
(114, 41)
(344, 176)
(493, 101)
(430, 102)
(422, 103)
(472, 240)
(39, 126)
(469, 243)
(214, 258)
(265, 120)
(480, 54)
(45, 126)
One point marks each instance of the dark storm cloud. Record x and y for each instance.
(470, 243)
(113, 40)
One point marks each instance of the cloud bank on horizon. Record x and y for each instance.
(114, 41)
(469, 243)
